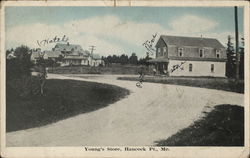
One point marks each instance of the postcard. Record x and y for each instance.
(125, 79)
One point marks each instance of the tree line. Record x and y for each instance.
(125, 59)
(231, 59)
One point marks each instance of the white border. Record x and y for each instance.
(174, 151)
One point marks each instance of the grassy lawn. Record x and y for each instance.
(223, 126)
(63, 99)
(203, 82)
(112, 69)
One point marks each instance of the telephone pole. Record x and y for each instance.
(92, 48)
(237, 44)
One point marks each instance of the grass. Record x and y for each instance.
(223, 126)
(112, 69)
(64, 98)
(203, 82)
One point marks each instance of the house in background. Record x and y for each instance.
(35, 55)
(190, 56)
(97, 60)
(75, 55)
(53, 55)
(70, 55)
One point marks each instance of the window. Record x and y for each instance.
(201, 51)
(180, 52)
(217, 53)
(212, 67)
(161, 51)
(190, 67)
(164, 51)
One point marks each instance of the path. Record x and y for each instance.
(151, 113)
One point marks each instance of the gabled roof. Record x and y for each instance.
(192, 41)
(68, 47)
(52, 54)
(74, 57)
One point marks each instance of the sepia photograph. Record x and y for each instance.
(124, 78)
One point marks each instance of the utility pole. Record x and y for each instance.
(92, 48)
(237, 44)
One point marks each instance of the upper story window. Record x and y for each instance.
(161, 51)
(212, 67)
(164, 51)
(180, 52)
(217, 53)
(157, 52)
(201, 53)
(190, 67)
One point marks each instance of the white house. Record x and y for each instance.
(70, 55)
(75, 55)
(190, 56)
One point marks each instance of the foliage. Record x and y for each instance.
(133, 59)
(242, 57)
(122, 59)
(231, 59)
(20, 65)
(144, 61)
(18, 73)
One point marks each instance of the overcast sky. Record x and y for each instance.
(116, 30)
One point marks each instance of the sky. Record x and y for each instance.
(116, 30)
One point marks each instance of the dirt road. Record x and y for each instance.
(148, 114)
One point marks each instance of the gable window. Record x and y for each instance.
(190, 67)
(201, 53)
(212, 67)
(180, 52)
(217, 53)
(161, 51)
(164, 51)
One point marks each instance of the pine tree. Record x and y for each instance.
(231, 59)
(242, 52)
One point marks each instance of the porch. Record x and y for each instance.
(160, 65)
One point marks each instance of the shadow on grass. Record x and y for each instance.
(63, 99)
(223, 126)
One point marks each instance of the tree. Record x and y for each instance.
(133, 59)
(115, 59)
(231, 59)
(42, 75)
(20, 65)
(242, 56)
(144, 61)
(18, 71)
(124, 59)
